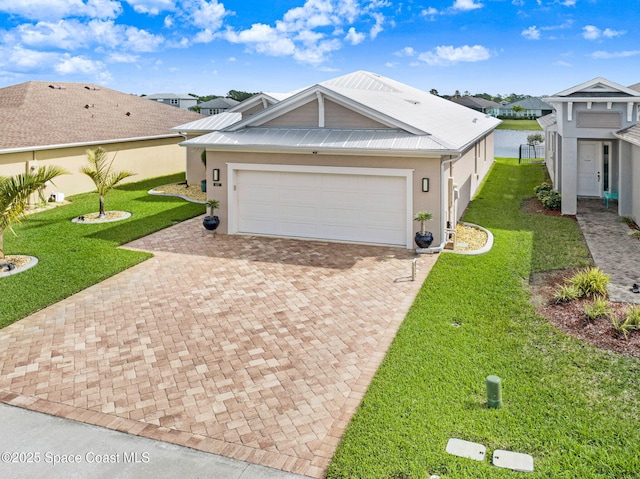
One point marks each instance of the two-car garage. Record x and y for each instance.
(366, 205)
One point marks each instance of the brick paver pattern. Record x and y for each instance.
(259, 349)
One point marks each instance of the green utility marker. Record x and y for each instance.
(494, 392)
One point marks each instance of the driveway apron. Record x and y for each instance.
(258, 349)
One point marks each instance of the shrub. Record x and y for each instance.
(566, 293)
(590, 282)
(598, 309)
(542, 189)
(635, 234)
(631, 321)
(552, 201)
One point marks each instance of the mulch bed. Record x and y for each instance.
(570, 317)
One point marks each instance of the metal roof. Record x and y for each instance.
(210, 123)
(631, 134)
(394, 104)
(383, 140)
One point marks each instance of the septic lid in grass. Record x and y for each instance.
(470, 450)
(513, 460)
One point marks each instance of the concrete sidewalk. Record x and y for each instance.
(33, 445)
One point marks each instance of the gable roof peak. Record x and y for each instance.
(598, 85)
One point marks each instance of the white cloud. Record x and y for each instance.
(168, 21)
(151, 7)
(25, 60)
(391, 65)
(377, 28)
(206, 14)
(406, 52)
(123, 58)
(604, 55)
(531, 33)
(429, 12)
(309, 33)
(569, 3)
(58, 9)
(449, 55)
(609, 33)
(591, 32)
(561, 63)
(466, 5)
(72, 35)
(354, 37)
(79, 64)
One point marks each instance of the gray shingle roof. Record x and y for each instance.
(219, 103)
(40, 114)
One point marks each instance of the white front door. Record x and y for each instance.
(590, 168)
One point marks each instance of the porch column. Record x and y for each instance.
(569, 176)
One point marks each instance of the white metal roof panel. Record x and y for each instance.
(211, 123)
(319, 138)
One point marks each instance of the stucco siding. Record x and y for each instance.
(146, 159)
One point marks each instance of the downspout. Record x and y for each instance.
(443, 207)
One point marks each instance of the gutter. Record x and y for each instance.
(86, 143)
(443, 212)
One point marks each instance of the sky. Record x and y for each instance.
(208, 47)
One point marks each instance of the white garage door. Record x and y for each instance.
(344, 207)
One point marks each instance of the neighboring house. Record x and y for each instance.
(44, 123)
(593, 144)
(532, 108)
(217, 105)
(181, 101)
(349, 159)
(476, 103)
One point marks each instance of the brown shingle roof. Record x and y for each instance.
(39, 114)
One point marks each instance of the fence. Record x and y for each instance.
(531, 154)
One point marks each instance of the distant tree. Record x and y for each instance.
(466, 93)
(433, 91)
(196, 108)
(533, 140)
(517, 109)
(239, 95)
(99, 170)
(456, 94)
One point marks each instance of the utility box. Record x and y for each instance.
(57, 197)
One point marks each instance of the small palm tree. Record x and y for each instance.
(423, 217)
(213, 205)
(99, 170)
(15, 192)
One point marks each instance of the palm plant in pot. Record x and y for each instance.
(211, 221)
(423, 238)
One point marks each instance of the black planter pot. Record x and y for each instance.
(423, 240)
(210, 222)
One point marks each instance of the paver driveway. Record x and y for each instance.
(258, 349)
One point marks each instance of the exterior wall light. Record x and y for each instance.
(425, 184)
(216, 174)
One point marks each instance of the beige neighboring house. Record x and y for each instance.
(349, 159)
(52, 123)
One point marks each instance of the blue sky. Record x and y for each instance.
(535, 47)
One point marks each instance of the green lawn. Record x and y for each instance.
(74, 256)
(519, 125)
(572, 407)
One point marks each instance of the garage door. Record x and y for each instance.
(343, 207)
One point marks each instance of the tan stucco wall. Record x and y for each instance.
(423, 168)
(147, 159)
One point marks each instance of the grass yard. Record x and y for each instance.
(519, 125)
(74, 256)
(572, 407)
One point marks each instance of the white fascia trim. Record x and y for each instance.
(631, 141)
(326, 151)
(87, 143)
(233, 200)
